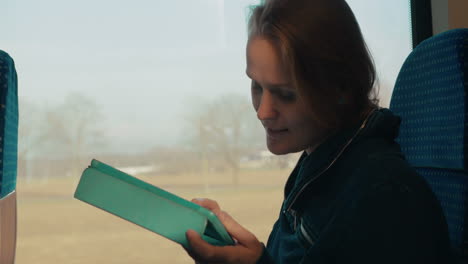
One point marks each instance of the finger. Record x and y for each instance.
(190, 253)
(242, 235)
(202, 251)
(207, 203)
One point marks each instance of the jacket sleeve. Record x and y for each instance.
(265, 258)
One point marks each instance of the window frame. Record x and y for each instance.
(421, 20)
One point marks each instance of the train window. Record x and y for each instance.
(158, 90)
(387, 30)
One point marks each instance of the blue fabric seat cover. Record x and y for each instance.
(430, 96)
(8, 125)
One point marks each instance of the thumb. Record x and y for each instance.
(198, 246)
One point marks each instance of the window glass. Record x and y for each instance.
(156, 89)
(386, 26)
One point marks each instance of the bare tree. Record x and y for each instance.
(227, 128)
(74, 128)
(31, 136)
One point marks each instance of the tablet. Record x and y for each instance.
(148, 206)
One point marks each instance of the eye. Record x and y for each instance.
(256, 88)
(286, 96)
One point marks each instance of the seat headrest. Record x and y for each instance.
(430, 96)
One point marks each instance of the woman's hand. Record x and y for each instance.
(247, 249)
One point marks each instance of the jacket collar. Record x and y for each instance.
(379, 123)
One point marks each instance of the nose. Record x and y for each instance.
(266, 109)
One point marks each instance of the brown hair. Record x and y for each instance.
(324, 53)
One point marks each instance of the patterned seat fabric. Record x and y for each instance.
(8, 125)
(430, 96)
(8, 161)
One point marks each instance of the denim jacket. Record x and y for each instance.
(355, 199)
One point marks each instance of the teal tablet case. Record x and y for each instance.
(148, 206)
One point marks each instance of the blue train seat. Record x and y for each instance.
(9, 156)
(430, 95)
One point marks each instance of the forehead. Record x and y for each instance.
(263, 62)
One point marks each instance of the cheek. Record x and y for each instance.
(304, 123)
(311, 132)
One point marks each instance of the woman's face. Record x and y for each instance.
(288, 122)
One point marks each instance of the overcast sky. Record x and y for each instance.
(144, 61)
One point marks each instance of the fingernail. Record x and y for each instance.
(199, 199)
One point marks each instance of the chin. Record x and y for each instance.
(279, 149)
(278, 152)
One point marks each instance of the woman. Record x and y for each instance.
(352, 197)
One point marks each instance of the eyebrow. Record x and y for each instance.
(270, 85)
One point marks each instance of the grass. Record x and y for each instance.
(53, 227)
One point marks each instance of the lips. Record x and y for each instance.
(276, 133)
